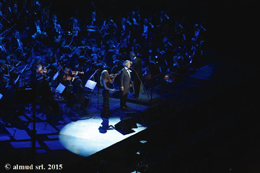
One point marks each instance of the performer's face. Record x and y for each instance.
(128, 64)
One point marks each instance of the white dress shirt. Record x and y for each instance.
(128, 71)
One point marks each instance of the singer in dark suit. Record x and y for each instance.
(125, 83)
(137, 67)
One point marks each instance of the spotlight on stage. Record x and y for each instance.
(83, 137)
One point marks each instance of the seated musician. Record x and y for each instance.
(66, 76)
(41, 73)
(73, 85)
(44, 95)
(65, 79)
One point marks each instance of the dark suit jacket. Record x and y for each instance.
(125, 80)
(137, 65)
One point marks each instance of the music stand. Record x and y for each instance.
(60, 88)
(90, 84)
(55, 76)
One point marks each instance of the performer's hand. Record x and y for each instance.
(122, 88)
(130, 85)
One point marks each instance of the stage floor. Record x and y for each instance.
(83, 137)
(74, 134)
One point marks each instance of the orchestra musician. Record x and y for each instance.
(73, 84)
(38, 29)
(16, 45)
(147, 26)
(75, 28)
(44, 95)
(41, 72)
(2, 45)
(129, 27)
(56, 37)
(124, 29)
(66, 79)
(134, 26)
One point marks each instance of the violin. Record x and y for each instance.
(77, 72)
(113, 76)
(43, 70)
(69, 78)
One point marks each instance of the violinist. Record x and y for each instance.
(105, 81)
(72, 82)
(66, 78)
(41, 72)
(44, 94)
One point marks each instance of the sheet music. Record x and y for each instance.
(60, 88)
(91, 84)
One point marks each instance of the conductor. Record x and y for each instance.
(125, 84)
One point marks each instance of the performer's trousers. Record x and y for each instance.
(105, 111)
(137, 84)
(123, 98)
